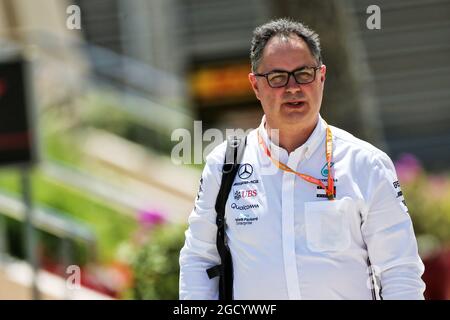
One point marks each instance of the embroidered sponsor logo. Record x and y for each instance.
(199, 192)
(200, 188)
(321, 193)
(398, 190)
(326, 180)
(242, 221)
(240, 183)
(245, 171)
(242, 194)
(324, 170)
(244, 206)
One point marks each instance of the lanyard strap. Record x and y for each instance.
(328, 154)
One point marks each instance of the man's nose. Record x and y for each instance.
(292, 85)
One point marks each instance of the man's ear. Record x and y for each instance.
(323, 72)
(254, 84)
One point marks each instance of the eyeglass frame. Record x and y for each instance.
(266, 75)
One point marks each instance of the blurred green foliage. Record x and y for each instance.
(110, 225)
(428, 200)
(123, 123)
(427, 196)
(156, 265)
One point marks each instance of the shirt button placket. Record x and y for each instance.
(288, 229)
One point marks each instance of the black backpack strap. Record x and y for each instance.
(233, 157)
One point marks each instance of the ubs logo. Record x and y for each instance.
(245, 194)
(245, 171)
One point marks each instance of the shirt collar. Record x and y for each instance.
(309, 147)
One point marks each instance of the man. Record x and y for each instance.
(328, 222)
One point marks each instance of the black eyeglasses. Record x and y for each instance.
(278, 79)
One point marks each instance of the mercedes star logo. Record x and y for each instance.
(245, 171)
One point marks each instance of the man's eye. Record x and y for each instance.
(277, 77)
(303, 74)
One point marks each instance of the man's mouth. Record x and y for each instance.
(294, 104)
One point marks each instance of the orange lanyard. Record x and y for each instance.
(328, 153)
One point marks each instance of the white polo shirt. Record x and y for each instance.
(288, 241)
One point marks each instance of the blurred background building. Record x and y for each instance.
(108, 96)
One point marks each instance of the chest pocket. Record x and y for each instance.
(327, 225)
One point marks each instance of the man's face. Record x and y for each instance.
(288, 54)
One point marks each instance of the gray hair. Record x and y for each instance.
(282, 27)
